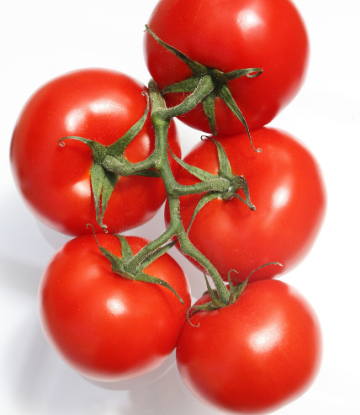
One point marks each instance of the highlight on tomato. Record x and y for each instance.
(255, 355)
(230, 35)
(54, 180)
(104, 326)
(287, 190)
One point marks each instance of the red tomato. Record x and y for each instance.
(229, 35)
(255, 355)
(104, 326)
(287, 189)
(96, 104)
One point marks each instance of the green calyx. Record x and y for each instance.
(122, 266)
(234, 292)
(219, 85)
(109, 162)
(225, 183)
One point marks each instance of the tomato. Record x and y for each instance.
(230, 35)
(104, 326)
(255, 355)
(54, 181)
(287, 189)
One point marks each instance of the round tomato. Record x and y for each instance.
(54, 181)
(104, 326)
(253, 356)
(230, 35)
(287, 190)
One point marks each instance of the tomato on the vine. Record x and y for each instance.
(253, 356)
(96, 104)
(229, 35)
(104, 326)
(287, 189)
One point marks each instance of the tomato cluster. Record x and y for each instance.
(96, 147)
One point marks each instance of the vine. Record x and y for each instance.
(109, 162)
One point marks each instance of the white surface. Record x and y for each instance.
(42, 39)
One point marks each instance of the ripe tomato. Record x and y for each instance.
(287, 189)
(96, 104)
(229, 35)
(104, 326)
(255, 355)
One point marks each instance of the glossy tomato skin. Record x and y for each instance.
(229, 35)
(54, 181)
(104, 326)
(254, 356)
(287, 188)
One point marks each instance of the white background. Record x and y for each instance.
(43, 39)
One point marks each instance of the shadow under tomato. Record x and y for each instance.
(168, 395)
(19, 275)
(53, 238)
(38, 382)
(141, 381)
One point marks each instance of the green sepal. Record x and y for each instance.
(148, 173)
(196, 308)
(249, 73)
(97, 149)
(240, 288)
(195, 171)
(102, 183)
(226, 173)
(117, 149)
(241, 183)
(188, 85)
(224, 163)
(208, 105)
(264, 265)
(195, 67)
(108, 187)
(213, 294)
(231, 286)
(126, 252)
(156, 254)
(225, 94)
(142, 276)
(237, 182)
(246, 201)
(97, 175)
(236, 291)
(208, 197)
(116, 263)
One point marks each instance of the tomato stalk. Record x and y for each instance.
(218, 185)
(110, 161)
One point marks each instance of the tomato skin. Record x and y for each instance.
(287, 188)
(104, 326)
(254, 356)
(229, 35)
(54, 181)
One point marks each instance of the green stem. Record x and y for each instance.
(187, 248)
(149, 248)
(173, 189)
(204, 88)
(124, 167)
